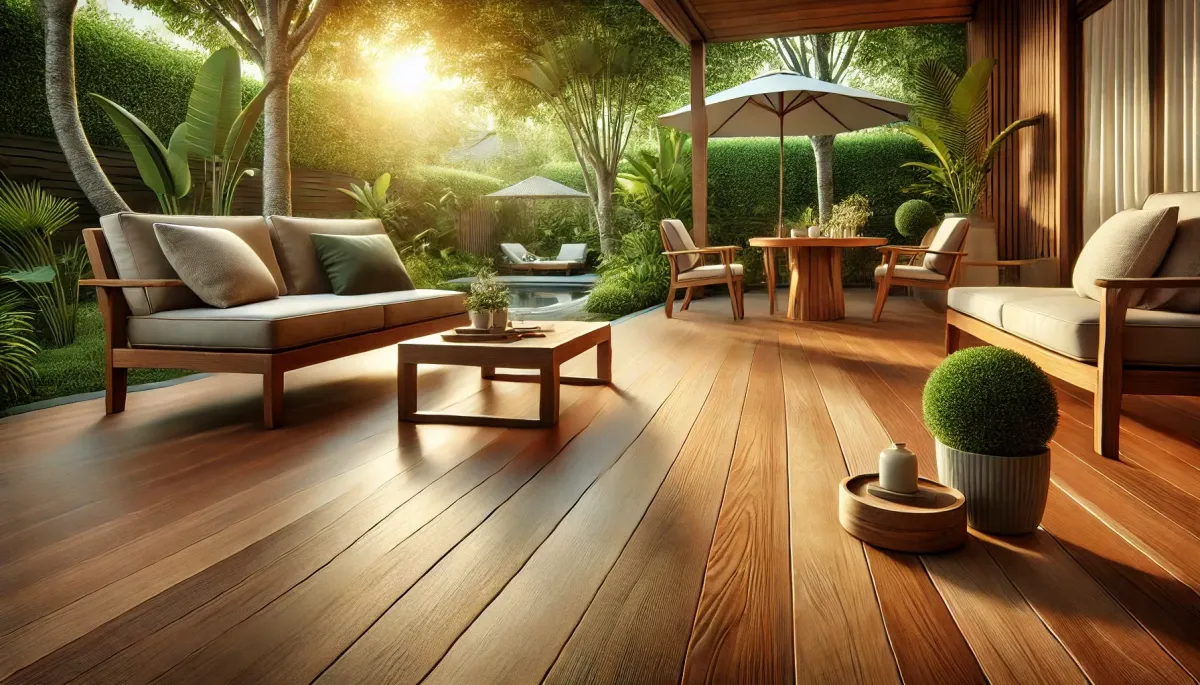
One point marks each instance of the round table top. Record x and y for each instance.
(862, 241)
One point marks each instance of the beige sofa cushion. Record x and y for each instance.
(950, 237)
(137, 254)
(709, 271)
(216, 265)
(1183, 257)
(292, 237)
(678, 240)
(917, 273)
(985, 303)
(1070, 325)
(1131, 244)
(289, 321)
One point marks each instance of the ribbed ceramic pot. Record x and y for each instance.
(1005, 495)
(490, 319)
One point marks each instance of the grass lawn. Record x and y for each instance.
(79, 367)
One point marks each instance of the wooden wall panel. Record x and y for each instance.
(1027, 190)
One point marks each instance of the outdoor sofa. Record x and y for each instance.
(1102, 345)
(152, 320)
(570, 256)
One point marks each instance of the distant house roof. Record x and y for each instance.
(538, 187)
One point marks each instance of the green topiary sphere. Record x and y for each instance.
(991, 400)
(915, 217)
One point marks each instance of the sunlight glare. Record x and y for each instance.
(406, 73)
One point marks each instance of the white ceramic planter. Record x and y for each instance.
(496, 319)
(1005, 495)
(814, 231)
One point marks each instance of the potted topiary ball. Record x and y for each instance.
(916, 218)
(993, 412)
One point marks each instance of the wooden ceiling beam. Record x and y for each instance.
(737, 20)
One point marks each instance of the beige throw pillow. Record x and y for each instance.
(1183, 259)
(1131, 244)
(950, 237)
(217, 265)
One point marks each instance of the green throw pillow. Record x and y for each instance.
(361, 264)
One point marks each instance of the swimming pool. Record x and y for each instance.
(539, 292)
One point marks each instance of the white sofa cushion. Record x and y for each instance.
(1131, 244)
(289, 321)
(1061, 321)
(137, 254)
(1183, 257)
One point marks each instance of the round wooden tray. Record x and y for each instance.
(936, 526)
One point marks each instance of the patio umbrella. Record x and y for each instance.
(785, 103)
(538, 188)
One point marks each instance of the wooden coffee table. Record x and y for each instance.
(568, 339)
(815, 291)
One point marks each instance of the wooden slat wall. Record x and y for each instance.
(477, 231)
(314, 193)
(1026, 190)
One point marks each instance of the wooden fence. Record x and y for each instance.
(476, 229)
(314, 193)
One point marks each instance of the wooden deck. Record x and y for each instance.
(680, 526)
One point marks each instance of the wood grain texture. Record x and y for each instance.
(438, 608)
(743, 629)
(520, 634)
(838, 627)
(1109, 644)
(348, 547)
(923, 634)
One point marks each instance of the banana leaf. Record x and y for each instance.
(243, 127)
(215, 102)
(41, 274)
(149, 153)
(177, 160)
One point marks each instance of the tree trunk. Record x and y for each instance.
(58, 23)
(823, 152)
(605, 182)
(277, 161)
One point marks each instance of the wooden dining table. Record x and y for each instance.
(815, 289)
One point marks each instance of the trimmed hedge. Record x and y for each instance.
(743, 189)
(342, 126)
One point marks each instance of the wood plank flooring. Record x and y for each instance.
(679, 526)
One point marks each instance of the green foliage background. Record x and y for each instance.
(336, 126)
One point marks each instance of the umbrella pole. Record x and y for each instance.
(779, 225)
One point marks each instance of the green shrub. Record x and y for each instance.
(991, 400)
(17, 349)
(915, 217)
(433, 271)
(635, 277)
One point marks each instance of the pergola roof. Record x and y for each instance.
(716, 21)
(538, 188)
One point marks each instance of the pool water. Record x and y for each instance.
(535, 296)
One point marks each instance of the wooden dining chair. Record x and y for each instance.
(938, 268)
(689, 271)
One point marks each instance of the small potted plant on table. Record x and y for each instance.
(993, 412)
(488, 302)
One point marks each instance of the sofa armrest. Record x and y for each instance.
(132, 282)
(1163, 282)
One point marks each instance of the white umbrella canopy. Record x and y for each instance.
(784, 103)
(539, 188)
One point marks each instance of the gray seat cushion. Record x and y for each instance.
(515, 253)
(137, 254)
(573, 252)
(290, 321)
(1061, 321)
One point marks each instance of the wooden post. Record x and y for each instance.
(699, 148)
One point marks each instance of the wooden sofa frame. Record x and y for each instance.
(1109, 377)
(119, 357)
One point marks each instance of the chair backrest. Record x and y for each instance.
(573, 252)
(515, 252)
(675, 238)
(950, 237)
